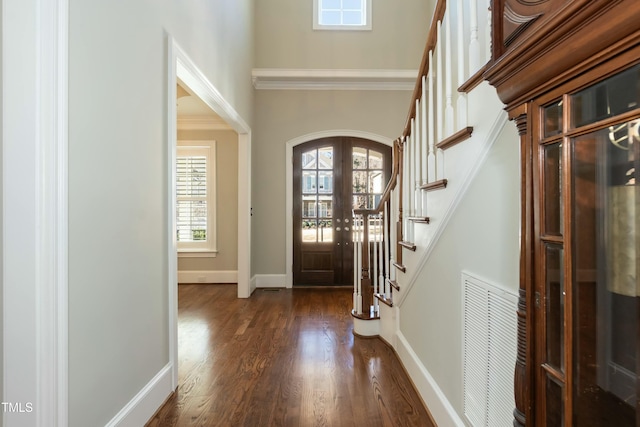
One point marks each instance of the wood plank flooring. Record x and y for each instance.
(283, 358)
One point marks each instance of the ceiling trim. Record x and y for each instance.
(333, 79)
(202, 123)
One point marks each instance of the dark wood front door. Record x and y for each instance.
(332, 176)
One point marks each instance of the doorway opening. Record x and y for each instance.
(181, 69)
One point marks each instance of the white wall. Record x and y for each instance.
(481, 238)
(1, 230)
(285, 37)
(118, 333)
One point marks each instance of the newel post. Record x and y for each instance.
(523, 374)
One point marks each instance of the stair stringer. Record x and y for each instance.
(461, 164)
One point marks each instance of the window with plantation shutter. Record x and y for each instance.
(195, 202)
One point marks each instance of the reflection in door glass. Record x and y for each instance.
(368, 180)
(359, 158)
(317, 195)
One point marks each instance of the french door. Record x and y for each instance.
(331, 177)
(587, 253)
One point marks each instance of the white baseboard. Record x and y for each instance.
(269, 281)
(439, 406)
(207, 277)
(144, 404)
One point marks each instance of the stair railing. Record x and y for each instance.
(458, 45)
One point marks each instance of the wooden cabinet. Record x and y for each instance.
(570, 79)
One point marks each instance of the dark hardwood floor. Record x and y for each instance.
(283, 358)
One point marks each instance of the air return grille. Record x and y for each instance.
(489, 353)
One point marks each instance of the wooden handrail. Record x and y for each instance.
(432, 39)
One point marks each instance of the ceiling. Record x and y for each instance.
(194, 114)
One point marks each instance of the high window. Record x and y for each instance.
(195, 200)
(342, 14)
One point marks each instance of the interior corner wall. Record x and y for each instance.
(118, 191)
(226, 201)
(287, 114)
(481, 238)
(1, 230)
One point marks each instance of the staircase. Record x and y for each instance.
(453, 118)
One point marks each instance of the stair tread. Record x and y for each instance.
(423, 219)
(400, 267)
(435, 185)
(382, 298)
(394, 284)
(408, 245)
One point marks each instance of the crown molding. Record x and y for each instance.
(333, 79)
(202, 123)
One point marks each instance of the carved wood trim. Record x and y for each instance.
(523, 371)
(576, 32)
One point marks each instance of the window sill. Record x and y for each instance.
(321, 27)
(182, 253)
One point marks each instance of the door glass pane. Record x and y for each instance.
(325, 182)
(325, 206)
(360, 202)
(553, 119)
(359, 182)
(309, 230)
(605, 221)
(553, 189)
(309, 159)
(359, 158)
(309, 182)
(376, 182)
(554, 305)
(375, 160)
(325, 156)
(325, 230)
(309, 206)
(555, 404)
(608, 98)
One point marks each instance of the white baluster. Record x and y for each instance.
(418, 160)
(423, 142)
(354, 231)
(387, 245)
(448, 114)
(474, 44)
(439, 88)
(412, 169)
(431, 158)
(374, 253)
(487, 38)
(360, 242)
(381, 252)
(461, 102)
(395, 205)
(405, 189)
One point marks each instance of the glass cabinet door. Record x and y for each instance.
(587, 209)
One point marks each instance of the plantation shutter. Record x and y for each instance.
(192, 191)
